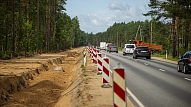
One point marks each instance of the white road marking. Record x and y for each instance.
(187, 79)
(135, 98)
(162, 70)
(146, 64)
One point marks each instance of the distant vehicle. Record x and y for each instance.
(102, 45)
(142, 51)
(107, 46)
(128, 49)
(184, 63)
(113, 49)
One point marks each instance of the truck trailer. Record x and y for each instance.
(102, 45)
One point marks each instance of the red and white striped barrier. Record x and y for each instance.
(88, 49)
(98, 51)
(91, 53)
(94, 56)
(85, 60)
(106, 72)
(119, 97)
(99, 63)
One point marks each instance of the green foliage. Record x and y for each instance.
(38, 25)
(164, 56)
(5, 56)
(179, 12)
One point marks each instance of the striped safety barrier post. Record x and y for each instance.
(99, 63)
(88, 49)
(119, 93)
(96, 59)
(94, 56)
(85, 60)
(97, 50)
(106, 72)
(91, 53)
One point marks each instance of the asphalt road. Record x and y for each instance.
(153, 83)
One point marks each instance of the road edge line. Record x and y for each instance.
(135, 98)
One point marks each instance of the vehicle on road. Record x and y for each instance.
(142, 51)
(128, 49)
(102, 45)
(184, 63)
(113, 49)
(108, 46)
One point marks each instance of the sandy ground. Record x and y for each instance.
(33, 82)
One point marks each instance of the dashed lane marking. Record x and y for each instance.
(187, 79)
(146, 64)
(162, 70)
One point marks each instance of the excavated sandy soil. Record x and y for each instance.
(33, 82)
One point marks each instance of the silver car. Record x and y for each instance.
(113, 49)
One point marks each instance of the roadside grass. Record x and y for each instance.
(169, 57)
(84, 73)
(83, 70)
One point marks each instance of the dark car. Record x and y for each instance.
(113, 49)
(184, 63)
(142, 51)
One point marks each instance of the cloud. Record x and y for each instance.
(117, 12)
(95, 22)
(127, 13)
(116, 6)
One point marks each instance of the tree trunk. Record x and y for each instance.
(47, 26)
(7, 25)
(13, 27)
(177, 34)
(54, 25)
(173, 37)
(37, 24)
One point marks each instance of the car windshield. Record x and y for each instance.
(129, 46)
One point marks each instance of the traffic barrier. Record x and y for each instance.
(119, 97)
(94, 56)
(98, 51)
(91, 53)
(106, 73)
(85, 58)
(88, 50)
(99, 63)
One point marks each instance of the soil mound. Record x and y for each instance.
(46, 84)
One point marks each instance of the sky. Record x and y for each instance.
(98, 15)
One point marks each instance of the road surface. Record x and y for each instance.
(153, 83)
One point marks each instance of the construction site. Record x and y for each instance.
(52, 80)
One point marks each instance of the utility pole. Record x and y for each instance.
(117, 38)
(151, 32)
(140, 34)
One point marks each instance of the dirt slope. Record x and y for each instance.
(32, 82)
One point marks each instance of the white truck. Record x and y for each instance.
(102, 45)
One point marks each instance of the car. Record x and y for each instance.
(128, 49)
(108, 46)
(142, 51)
(184, 62)
(113, 49)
